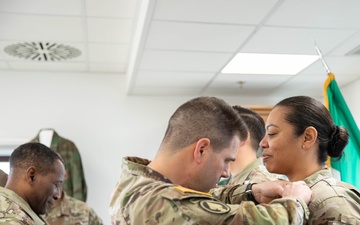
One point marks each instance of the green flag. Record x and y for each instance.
(349, 164)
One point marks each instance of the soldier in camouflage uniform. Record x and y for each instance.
(3, 178)
(300, 136)
(75, 186)
(247, 167)
(35, 182)
(201, 139)
(71, 211)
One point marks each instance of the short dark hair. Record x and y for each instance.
(204, 117)
(34, 154)
(255, 124)
(304, 111)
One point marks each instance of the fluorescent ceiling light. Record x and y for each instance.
(281, 64)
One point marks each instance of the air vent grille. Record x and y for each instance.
(42, 51)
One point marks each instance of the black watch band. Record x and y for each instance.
(249, 193)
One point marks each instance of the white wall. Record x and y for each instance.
(94, 112)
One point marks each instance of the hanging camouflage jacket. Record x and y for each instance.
(75, 185)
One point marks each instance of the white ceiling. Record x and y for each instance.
(179, 47)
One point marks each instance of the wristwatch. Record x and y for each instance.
(249, 193)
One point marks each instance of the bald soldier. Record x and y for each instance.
(202, 138)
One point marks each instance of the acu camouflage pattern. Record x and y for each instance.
(75, 185)
(144, 196)
(255, 172)
(3, 178)
(15, 210)
(72, 211)
(333, 201)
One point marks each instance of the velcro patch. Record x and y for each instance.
(214, 207)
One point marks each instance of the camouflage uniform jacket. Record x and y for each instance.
(144, 196)
(255, 172)
(333, 202)
(75, 185)
(3, 178)
(243, 175)
(15, 210)
(72, 211)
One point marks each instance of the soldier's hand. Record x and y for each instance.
(298, 189)
(267, 191)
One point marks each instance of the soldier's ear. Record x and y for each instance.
(310, 137)
(200, 148)
(31, 173)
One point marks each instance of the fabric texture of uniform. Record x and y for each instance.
(3, 178)
(15, 210)
(255, 172)
(240, 177)
(144, 196)
(333, 201)
(72, 211)
(75, 184)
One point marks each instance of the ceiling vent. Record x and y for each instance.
(355, 51)
(42, 51)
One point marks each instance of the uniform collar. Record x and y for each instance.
(23, 204)
(136, 165)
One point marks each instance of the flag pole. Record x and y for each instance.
(327, 83)
(326, 67)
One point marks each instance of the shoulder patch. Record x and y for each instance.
(214, 207)
(187, 190)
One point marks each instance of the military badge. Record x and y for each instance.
(214, 207)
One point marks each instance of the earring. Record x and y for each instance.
(303, 146)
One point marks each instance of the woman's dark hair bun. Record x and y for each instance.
(338, 140)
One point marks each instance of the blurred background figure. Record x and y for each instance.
(71, 211)
(3, 178)
(68, 210)
(247, 166)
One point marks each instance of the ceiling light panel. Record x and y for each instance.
(281, 64)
